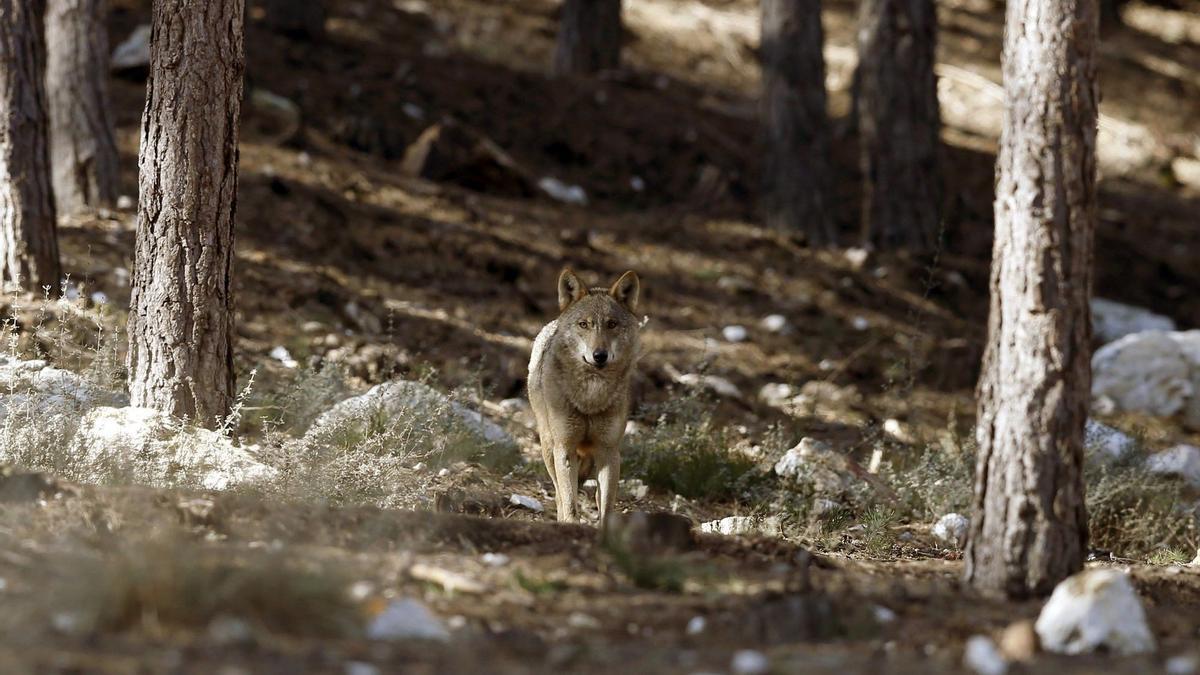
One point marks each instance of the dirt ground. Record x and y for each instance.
(341, 258)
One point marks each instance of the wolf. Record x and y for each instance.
(580, 379)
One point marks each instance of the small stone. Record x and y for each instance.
(582, 621)
(1095, 609)
(714, 383)
(407, 619)
(230, 630)
(414, 111)
(696, 625)
(860, 323)
(512, 406)
(495, 559)
(526, 502)
(1019, 641)
(1105, 442)
(360, 668)
(776, 393)
(734, 333)
(442, 473)
(770, 526)
(419, 466)
(774, 323)
(637, 183)
(1183, 664)
(883, 614)
(897, 430)
(124, 202)
(560, 191)
(952, 529)
(99, 298)
(981, 656)
(634, 488)
(749, 662)
(283, 356)
(857, 257)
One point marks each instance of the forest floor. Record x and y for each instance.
(350, 264)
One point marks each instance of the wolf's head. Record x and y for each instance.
(597, 326)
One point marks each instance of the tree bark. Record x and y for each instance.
(83, 153)
(28, 235)
(795, 121)
(180, 321)
(589, 37)
(303, 19)
(898, 123)
(1029, 528)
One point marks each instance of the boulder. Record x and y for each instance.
(952, 528)
(1181, 460)
(1095, 609)
(1106, 443)
(32, 386)
(1114, 320)
(401, 398)
(1153, 372)
(148, 447)
(818, 462)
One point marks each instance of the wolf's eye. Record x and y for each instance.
(612, 323)
(583, 324)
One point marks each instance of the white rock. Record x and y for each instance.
(982, 656)
(898, 430)
(883, 614)
(749, 662)
(133, 52)
(1181, 460)
(582, 621)
(402, 398)
(1105, 442)
(407, 619)
(794, 460)
(513, 406)
(774, 323)
(634, 488)
(413, 110)
(149, 447)
(857, 257)
(495, 559)
(637, 183)
(360, 668)
(715, 383)
(696, 625)
(1113, 320)
(952, 529)
(1097, 608)
(125, 202)
(283, 356)
(860, 323)
(734, 333)
(525, 502)
(99, 298)
(30, 387)
(1183, 664)
(1153, 372)
(744, 525)
(775, 393)
(568, 194)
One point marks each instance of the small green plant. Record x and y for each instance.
(1137, 513)
(686, 453)
(1166, 556)
(878, 524)
(538, 585)
(655, 572)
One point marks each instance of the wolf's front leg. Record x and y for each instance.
(566, 470)
(608, 474)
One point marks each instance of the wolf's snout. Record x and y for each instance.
(599, 357)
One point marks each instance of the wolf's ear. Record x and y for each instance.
(626, 290)
(570, 288)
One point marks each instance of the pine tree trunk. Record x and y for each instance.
(589, 37)
(180, 322)
(304, 19)
(795, 121)
(1029, 529)
(898, 123)
(28, 235)
(83, 153)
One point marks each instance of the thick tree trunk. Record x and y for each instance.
(28, 236)
(1029, 529)
(589, 37)
(180, 321)
(795, 121)
(304, 19)
(83, 154)
(898, 123)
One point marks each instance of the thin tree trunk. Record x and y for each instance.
(589, 37)
(1029, 529)
(898, 123)
(180, 322)
(83, 154)
(795, 121)
(28, 236)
